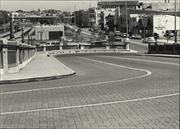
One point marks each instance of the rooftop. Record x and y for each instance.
(115, 2)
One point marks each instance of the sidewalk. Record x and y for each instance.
(40, 68)
(164, 55)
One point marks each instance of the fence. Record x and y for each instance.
(164, 48)
(14, 55)
(1, 58)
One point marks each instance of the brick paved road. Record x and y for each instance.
(101, 95)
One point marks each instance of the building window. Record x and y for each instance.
(55, 35)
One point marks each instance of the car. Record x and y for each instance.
(138, 37)
(149, 40)
(135, 36)
(117, 39)
(100, 43)
(117, 33)
(171, 34)
(124, 35)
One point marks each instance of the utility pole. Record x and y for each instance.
(23, 35)
(11, 27)
(90, 4)
(175, 30)
(75, 14)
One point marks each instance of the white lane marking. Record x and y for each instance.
(90, 105)
(122, 66)
(88, 84)
(143, 60)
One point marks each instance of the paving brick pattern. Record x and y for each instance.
(161, 113)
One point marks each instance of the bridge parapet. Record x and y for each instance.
(14, 55)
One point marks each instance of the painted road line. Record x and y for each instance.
(121, 66)
(88, 84)
(143, 60)
(90, 105)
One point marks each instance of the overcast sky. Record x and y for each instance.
(66, 5)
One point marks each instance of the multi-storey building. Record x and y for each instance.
(118, 10)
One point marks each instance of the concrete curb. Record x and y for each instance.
(161, 55)
(35, 79)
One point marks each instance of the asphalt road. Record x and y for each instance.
(107, 92)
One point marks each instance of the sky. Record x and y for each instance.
(64, 5)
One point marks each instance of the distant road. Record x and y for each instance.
(139, 46)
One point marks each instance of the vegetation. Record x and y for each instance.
(4, 17)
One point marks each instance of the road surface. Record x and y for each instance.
(108, 92)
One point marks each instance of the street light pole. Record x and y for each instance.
(126, 21)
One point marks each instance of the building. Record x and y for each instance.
(118, 4)
(82, 18)
(164, 23)
(93, 17)
(46, 33)
(68, 19)
(118, 10)
(87, 18)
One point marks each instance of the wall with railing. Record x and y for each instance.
(124, 46)
(14, 55)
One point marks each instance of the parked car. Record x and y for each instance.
(118, 39)
(124, 35)
(117, 33)
(149, 40)
(100, 43)
(135, 36)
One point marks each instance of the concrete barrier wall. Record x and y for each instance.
(14, 55)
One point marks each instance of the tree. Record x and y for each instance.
(79, 37)
(4, 18)
(150, 26)
(111, 37)
(101, 36)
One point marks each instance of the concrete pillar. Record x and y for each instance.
(17, 56)
(82, 47)
(127, 44)
(107, 47)
(60, 48)
(5, 56)
(44, 48)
